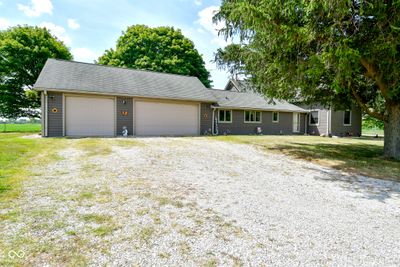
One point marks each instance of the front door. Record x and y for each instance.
(296, 122)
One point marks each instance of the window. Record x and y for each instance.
(275, 116)
(225, 116)
(252, 116)
(314, 117)
(347, 118)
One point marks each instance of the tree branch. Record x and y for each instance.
(373, 74)
(370, 111)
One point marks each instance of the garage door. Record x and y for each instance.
(89, 116)
(156, 119)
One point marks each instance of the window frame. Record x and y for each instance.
(344, 116)
(277, 120)
(225, 121)
(309, 118)
(255, 116)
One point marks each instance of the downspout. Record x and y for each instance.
(214, 130)
(45, 113)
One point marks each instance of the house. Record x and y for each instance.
(250, 113)
(319, 119)
(332, 122)
(82, 99)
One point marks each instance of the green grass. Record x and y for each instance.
(16, 127)
(17, 155)
(372, 132)
(356, 155)
(97, 218)
(146, 233)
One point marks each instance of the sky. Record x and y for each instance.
(89, 27)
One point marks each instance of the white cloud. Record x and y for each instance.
(72, 24)
(198, 2)
(4, 24)
(37, 8)
(205, 21)
(58, 31)
(84, 54)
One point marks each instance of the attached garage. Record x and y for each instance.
(81, 99)
(89, 116)
(166, 118)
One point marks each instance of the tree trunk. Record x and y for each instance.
(392, 132)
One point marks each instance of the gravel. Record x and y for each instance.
(199, 201)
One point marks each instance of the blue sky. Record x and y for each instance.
(88, 27)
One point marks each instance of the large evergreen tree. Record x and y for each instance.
(162, 49)
(23, 53)
(336, 52)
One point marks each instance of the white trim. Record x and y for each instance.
(46, 119)
(199, 120)
(327, 122)
(42, 114)
(261, 109)
(256, 122)
(277, 121)
(219, 121)
(134, 116)
(298, 129)
(309, 117)
(344, 113)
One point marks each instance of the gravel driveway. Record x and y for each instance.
(199, 201)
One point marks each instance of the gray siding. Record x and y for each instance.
(303, 122)
(124, 120)
(322, 126)
(337, 127)
(205, 118)
(238, 126)
(54, 119)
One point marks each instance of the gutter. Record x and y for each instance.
(259, 109)
(122, 95)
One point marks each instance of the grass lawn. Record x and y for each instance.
(372, 132)
(356, 155)
(16, 127)
(17, 154)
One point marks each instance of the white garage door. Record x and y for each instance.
(156, 118)
(89, 116)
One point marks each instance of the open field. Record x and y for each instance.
(356, 155)
(190, 201)
(20, 127)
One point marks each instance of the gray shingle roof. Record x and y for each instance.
(239, 100)
(239, 86)
(91, 78)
